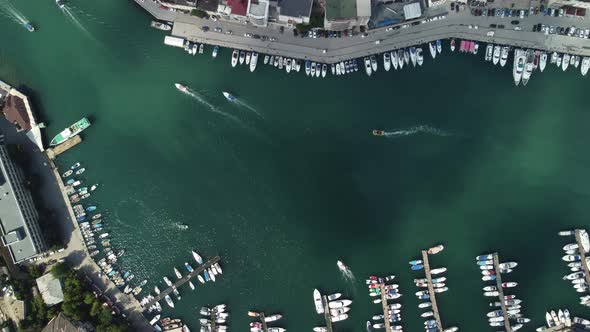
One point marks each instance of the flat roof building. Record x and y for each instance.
(18, 216)
(50, 289)
(412, 11)
(295, 11)
(346, 14)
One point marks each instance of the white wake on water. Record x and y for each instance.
(11, 12)
(418, 130)
(247, 106)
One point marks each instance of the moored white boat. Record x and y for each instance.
(368, 68)
(413, 56)
(319, 303)
(373, 63)
(504, 55)
(387, 61)
(518, 68)
(585, 65)
(432, 48)
(496, 54)
(542, 61)
(566, 61)
(419, 56)
(489, 52)
(253, 61)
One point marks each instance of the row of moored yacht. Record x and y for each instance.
(259, 327)
(424, 295)
(384, 289)
(216, 316)
(337, 306)
(573, 257)
(526, 61)
(511, 303)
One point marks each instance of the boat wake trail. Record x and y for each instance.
(11, 12)
(418, 130)
(179, 226)
(244, 104)
(198, 97)
(346, 272)
(72, 17)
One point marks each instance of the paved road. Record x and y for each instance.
(456, 25)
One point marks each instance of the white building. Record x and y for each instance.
(50, 289)
(18, 216)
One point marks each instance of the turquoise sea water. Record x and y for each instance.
(283, 188)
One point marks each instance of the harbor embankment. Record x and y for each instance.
(452, 25)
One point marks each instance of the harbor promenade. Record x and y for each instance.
(460, 25)
(76, 254)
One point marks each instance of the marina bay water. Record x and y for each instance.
(284, 187)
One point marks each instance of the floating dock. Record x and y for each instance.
(385, 308)
(263, 321)
(583, 256)
(65, 146)
(431, 291)
(507, 326)
(327, 314)
(183, 281)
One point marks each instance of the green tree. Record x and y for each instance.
(105, 316)
(89, 298)
(35, 271)
(60, 270)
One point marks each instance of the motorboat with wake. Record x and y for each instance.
(181, 88)
(229, 97)
(378, 132)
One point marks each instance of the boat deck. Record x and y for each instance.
(431, 291)
(263, 321)
(385, 308)
(507, 326)
(583, 255)
(183, 281)
(65, 146)
(327, 313)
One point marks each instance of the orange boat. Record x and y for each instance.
(377, 132)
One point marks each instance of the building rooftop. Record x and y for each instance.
(238, 7)
(14, 110)
(340, 9)
(12, 220)
(50, 289)
(412, 11)
(258, 8)
(208, 5)
(295, 8)
(61, 323)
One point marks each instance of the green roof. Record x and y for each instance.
(336, 9)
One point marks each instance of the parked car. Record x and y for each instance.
(515, 22)
(205, 28)
(217, 29)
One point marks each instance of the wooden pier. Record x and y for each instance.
(431, 291)
(583, 256)
(182, 281)
(56, 151)
(212, 316)
(507, 326)
(327, 313)
(263, 321)
(385, 308)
